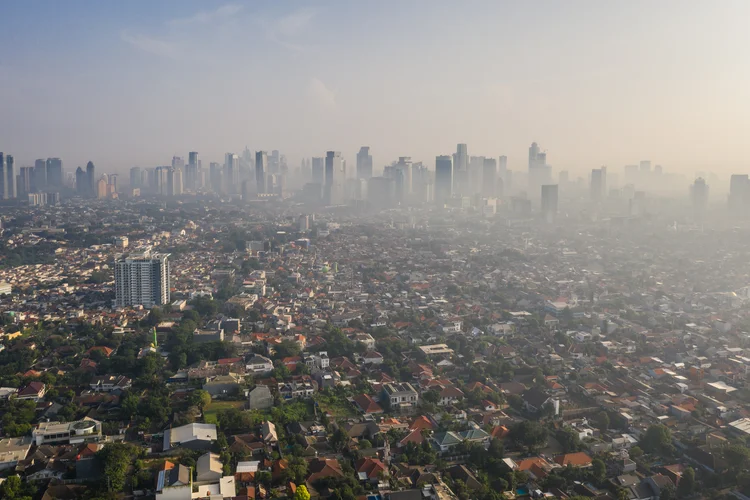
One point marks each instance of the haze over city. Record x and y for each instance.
(134, 83)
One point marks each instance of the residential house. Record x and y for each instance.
(259, 365)
(260, 398)
(192, 436)
(400, 396)
(34, 391)
(109, 383)
(208, 468)
(367, 405)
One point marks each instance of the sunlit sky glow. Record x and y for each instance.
(594, 83)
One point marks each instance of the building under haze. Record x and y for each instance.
(598, 184)
(318, 170)
(364, 163)
(261, 167)
(443, 179)
(739, 191)
(699, 194)
(191, 172)
(333, 187)
(549, 202)
(142, 279)
(91, 178)
(55, 174)
(7, 177)
(489, 178)
(461, 170)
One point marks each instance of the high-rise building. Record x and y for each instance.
(91, 177)
(10, 178)
(142, 279)
(304, 223)
(364, 163)
(26, 182)
(231, 173)
(549, 202)
(40, 174)
(191, 172)
(55, 177)
(402, 171)
(335, 173)
(135, 178)
(82, 182)
(443, 179)
(461, 169)
(215, 175)
(381, 192)
(489, 178)
(175, 182)
(112, 183)
(699, 194)
(101, 188)
(539, 172)
(261, 169)
(318, 170)
(598, 183)
(739, 191)
(3, 190)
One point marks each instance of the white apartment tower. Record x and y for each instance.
(142, 279)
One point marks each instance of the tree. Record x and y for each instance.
(531, 435)
(14, 489)
(598, 469)
(199, 398)
(668, 493)
(687, 483)
(657, 439)
(636, 452)
(117, 458)
(302, 493)
(602, 421)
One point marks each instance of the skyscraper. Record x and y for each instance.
(135, 178)
(142, 279)
(54, 173)
(175, 182)
(101, 188)
(10, 178)
(82, 182)
(598, 183)
(549, 202)
(443, 179)
(261, 168)
(91, 177)
(461, 169)
(489, 178)
(364, 163)
(318, 170)
(333, 187)
(403, 179)
(3, 190)
(699, 194)
(539, 172)
(40, 174)
(191, 172)
(231, 173)
(26, 182)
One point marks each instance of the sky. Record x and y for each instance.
(594, 83)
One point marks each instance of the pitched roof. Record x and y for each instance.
(367, 404)
(579, 459)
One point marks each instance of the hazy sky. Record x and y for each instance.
(136, 82)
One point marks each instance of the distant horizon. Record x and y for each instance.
(134, 84)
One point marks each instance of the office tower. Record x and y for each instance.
(422, 183)
(91, 176)
(10, 178)
(699, 194)
(142, 279)
(231, 173)
(191, 172)
(215, 177)
(489, 178)
(364, 163)
(598, 183)
(563, 178)
(261, 168)
(40, 174)
(135, 177)
(539, 172)
(178, 162)
(657, 170)
(55, 178)
(549, 202)
(175, 182)
(113, 183)
(318, 170)
(402, 171)
(335, 172)
(82, 185)
(25, 182)
(101, 187)
(443, 179)
(3, 191)
(274, 162)
(739, 191)
(461, 169)
(646, 166)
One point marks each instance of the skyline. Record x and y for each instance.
(133, 85)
